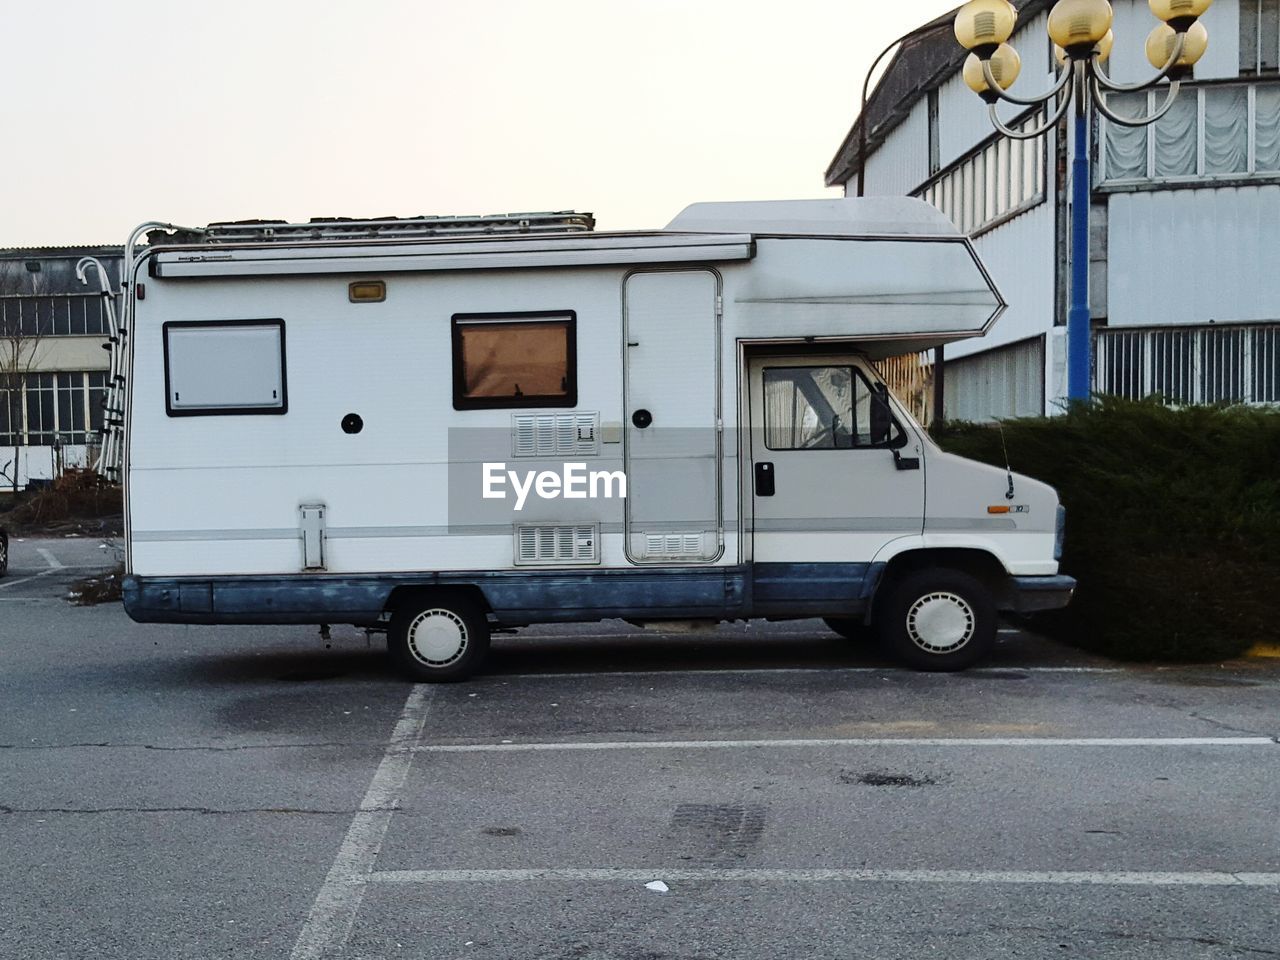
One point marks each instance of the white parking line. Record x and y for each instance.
(328, 925)
(1121, 878)
(693, 671)
(1025, 742)
(53, 562)
(35, 576)
(60, 568)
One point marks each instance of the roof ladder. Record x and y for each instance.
(109, 463)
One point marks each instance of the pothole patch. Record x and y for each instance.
(881, 779)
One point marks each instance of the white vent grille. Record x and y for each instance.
(555, 434)
(673, 545)
(567, 543)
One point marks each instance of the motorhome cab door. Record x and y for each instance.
(826, 485)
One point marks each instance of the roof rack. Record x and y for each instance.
(342, 228)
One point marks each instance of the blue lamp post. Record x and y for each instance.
(1081, 32)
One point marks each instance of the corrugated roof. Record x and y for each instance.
(921, 64)
(75, 250)
(57, 273)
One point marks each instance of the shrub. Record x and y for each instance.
(78, 499)
(1173, 522)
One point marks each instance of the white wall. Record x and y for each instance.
(902, 162)
(1134, 22)
(1019, 255)
(1008, 382)
(40, 463)
(1191, 256)
(962, 115)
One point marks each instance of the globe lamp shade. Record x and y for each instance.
(982, 25)
(1005, 67)
(1078, 25)
(1161, 41)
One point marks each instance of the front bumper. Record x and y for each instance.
(1030, 594)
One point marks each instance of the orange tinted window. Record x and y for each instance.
(513, 362)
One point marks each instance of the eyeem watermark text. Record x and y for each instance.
(574, 482)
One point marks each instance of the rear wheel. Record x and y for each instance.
(938, 620)
(851, 628)
(4, 553)
(438, 639)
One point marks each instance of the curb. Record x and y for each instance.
(1264, 651)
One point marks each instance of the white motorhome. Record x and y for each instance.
(428, 427)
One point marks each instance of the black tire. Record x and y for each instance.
(438, 639)
(851, 628)
(937, 620)
(4, 553)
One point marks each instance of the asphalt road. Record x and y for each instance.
(174, 792)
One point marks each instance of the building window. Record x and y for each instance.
(39, 409)
(66, 316)
(222, 367)
(514, 360)
(935, 150)
(1228, 131)
(1259, 37)
(991, 185)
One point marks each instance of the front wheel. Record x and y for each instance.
(4, 553)
(938, 620)
(438, 639)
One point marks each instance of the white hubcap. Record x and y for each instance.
(437, 637)
(940, 622)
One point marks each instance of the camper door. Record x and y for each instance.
(671, 397)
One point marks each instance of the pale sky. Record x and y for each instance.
(189, 112)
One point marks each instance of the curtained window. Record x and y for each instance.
(1228, 131)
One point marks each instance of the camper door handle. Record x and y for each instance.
(764, 479)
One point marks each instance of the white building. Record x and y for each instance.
(1184, 219)
(53, 368)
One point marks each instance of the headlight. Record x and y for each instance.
(1059, 531)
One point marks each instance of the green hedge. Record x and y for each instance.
(1173, 522)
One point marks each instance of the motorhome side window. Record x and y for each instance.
(825, 408)
(223, 367)
(514, 360)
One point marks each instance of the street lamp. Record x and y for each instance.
(1081, 33)
(904, 41)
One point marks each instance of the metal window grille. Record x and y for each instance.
(1202, 364)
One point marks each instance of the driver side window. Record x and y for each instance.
(824, 408)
